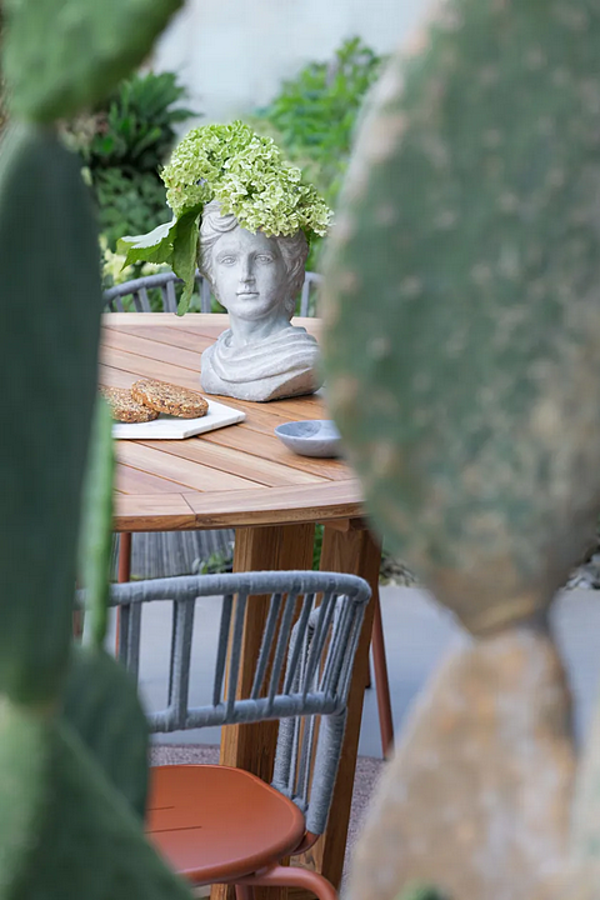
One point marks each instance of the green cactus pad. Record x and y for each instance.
(50, 325)
(462, 304)
(101, 704)
(95, 539)
(24, 757)
(86, 841)
(61, 56)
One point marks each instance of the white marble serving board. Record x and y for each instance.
(171, 428)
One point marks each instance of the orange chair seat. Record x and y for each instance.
(216, 823)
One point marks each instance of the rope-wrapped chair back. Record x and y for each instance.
(303, 669)
(138, 289)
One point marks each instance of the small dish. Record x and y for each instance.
(311, 437)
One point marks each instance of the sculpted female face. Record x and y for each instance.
(249, 274)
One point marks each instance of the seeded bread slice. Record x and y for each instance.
(169, 398)
(125, 408)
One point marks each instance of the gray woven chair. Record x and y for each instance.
(222, 825)
(158, 554)
(138, 289)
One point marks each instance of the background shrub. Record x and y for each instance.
(313, 117)
(122, 144)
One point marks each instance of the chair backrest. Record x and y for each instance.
(312, 280)
(303, 669)
(138, 289)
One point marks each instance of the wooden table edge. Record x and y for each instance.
(333, 502)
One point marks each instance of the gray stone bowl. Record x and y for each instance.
(312, 437)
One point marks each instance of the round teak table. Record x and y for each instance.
(242, 477)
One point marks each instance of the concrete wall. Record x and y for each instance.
(233, 54)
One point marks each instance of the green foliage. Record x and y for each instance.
(123, 143)
(419, 892)
(318, 547)
(314, 114)
(61, 57)
(127, 202)
(247, 175)
(313, 118)
(174, 243)
(134, 129)
(217, 562)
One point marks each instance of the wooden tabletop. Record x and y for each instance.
(238, 475)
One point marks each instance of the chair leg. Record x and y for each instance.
(123, 574)
(292, 876)
(382, 684)
(243, 892)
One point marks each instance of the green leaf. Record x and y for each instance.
(100, 702)
(50, 328)
(95, 539)
(185, 255)
(61, 56)
(156, 246)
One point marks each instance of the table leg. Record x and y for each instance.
(382, 683)
(354, 552)
(124, 571)
(252, 747)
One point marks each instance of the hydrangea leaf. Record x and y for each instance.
(185, 255)
(155, 247)
(93, 46)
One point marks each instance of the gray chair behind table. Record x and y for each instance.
(303, 671)
(156, 555)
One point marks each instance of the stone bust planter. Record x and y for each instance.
(244, 216)
(261, 356)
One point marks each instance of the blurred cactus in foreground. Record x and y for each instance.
(73, 737)
(462, 306)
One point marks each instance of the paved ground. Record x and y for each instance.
(417, 634)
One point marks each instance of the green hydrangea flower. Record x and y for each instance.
(248, 175)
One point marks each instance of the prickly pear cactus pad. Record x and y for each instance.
(477, 799)
(462, 303)
(62, 55)
(73, 735)
(50, 327)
